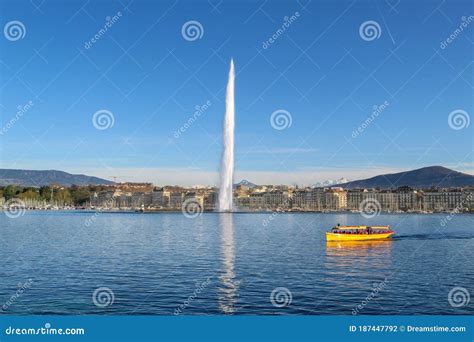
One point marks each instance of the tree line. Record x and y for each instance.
(73, 195)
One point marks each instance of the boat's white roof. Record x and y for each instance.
(362, 227)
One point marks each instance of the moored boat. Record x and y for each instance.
(359, 233)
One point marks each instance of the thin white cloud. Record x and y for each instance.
(282, 150)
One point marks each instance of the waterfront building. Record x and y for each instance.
(194, 197)
(388, 200)
(355, 198)
(243, 202)
(336, 199)
(316, 199)
(104, 199)
(468, 199)
(299, 199)
(176, 199)
(256, 201)
(158, 198)
(210, 200)
(276, 199)
(138, 199)
(272, 198)
(147, 198)
(408, 199)
(123, 201)
(443, 199)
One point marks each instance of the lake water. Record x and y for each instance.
(166, 263)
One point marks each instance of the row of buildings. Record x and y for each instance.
(263, 198)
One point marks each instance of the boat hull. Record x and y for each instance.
(357, 237)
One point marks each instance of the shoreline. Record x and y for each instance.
(276, 211)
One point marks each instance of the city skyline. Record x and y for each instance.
(348, 103)
(422, 178)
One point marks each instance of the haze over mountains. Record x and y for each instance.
(331, 182)
(37, 178)
(425, 177)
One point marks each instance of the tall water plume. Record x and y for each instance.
(227, 164)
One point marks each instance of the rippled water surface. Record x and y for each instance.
(166, 263)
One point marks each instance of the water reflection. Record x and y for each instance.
(229, 286)
(344, 256)
(358, 248)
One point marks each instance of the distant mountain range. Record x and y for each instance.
(245, 182)
(39, 178)
(331, 182)
(426, 177)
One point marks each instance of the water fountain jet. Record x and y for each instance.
(227, 164)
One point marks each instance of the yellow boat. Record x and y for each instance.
(359, 233)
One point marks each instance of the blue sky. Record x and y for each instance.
(320, 68)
